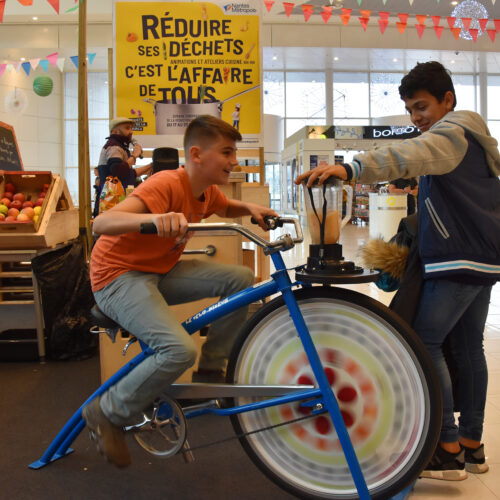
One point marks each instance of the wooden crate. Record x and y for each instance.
(58, 220)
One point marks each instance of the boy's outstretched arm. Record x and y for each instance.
(236, 208)
(322, 173)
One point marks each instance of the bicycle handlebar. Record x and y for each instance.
(283, 242)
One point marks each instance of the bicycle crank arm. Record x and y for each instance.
(200, 390)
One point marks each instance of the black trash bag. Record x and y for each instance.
(64, 282)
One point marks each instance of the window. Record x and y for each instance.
(384, 94)
(493, 97)
(465, 92)
(350, 95)
(305, 96)
(274, 93)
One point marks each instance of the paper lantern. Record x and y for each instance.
(43, 85)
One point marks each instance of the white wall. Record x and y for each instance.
(39, 128)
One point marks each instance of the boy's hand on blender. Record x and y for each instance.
(170, 225)
(322, 173)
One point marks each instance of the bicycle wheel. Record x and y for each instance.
(383, 380)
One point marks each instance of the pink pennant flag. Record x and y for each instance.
(34, 63)
(55, 4)
(483, 23)
(420, 29)
(2, 68)
(288, 8)
(2, 8)
(421, 18)
(451, 21)
(492, 34)
(307, 10)
(473, 33)
(497, 24)
(438, 30)
(366, 13)
(466, 22)
(456, 32)
(384, 16)
(436, 20)
(401, 26)
(403, 18)
(383, 25)
(364, 22)
(52, 58)
(269, 4)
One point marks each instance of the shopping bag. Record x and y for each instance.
(112, 193)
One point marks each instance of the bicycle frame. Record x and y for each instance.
(279, 282)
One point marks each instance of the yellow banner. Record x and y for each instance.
(175, 61)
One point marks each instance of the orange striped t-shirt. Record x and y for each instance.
(166, 191)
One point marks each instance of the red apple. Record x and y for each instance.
(8, 195)
(5, 201)
(39, 202)
(10, 187)
(14, 212)
(42, 194)
(16, 204)
(46, 187)
(10, 218)
(28, 203)
(19, 196)
(28, 211)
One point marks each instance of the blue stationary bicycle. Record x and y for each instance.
(331, 395)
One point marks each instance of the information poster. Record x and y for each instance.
(178, 60)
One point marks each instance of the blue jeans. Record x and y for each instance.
(458, 310)
(140, 301)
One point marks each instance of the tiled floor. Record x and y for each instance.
(477, 487)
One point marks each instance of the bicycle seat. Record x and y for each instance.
(101, 319)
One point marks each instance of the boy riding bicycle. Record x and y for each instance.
(136, 277)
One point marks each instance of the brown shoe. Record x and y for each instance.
(110, 439)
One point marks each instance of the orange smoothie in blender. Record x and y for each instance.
(332, 227)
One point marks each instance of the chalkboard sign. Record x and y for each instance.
(10, 159)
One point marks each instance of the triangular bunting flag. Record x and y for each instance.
(34, 63)
(383, 25)
(52, 58)
(466, 22)
(403, 18)
(439, 30)
(473, 33)
(2, 8)
(91, 57)
(60, 63)
(411, 2)
(346, 12)
(55, 4)
(483, 23)
(492, 34)
(384, 1)
(359, 2)
(44, 64)
(436, 20)
(456, 32)
(17, 66)
(75, 61)
(27, 67)
(451, 21)
(326, 15)
(401, 27)
(384, 15)
(420, 29)
(366, 13)
(421, 18)
(345, 19)
(72, 9)
(497, 24)
(288, 8)
(364, 22)
(2, 68)
(269, 4)
(25, 2)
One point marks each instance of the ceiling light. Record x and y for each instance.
(395, 60)
(34, 18)
(452, 61)
(454, 2)
(335, 58)
(23, 59)
(275, 58)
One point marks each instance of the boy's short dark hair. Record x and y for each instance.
(431, 76)
(208, 128)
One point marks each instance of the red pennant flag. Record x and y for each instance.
(366, 13)
(439, 30)
(436, 20)
(307, 10)
(2, 8)
(421, 18)
(401, 27)
(25, 2)
(492, 34)
(456, 32)
(497, 24)
(55, 4)
(403, 18)
(383, 25)
(420, 29)
(345, 19)
(473, 33)
(451, 21)
(483, 23)
(466, 22)
(288, 8)
(346, 12)
(269, 4)
(326, 14)
(364, 22)
(327, 8)
(384, 16)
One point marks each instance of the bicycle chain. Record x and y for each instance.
(243, 434)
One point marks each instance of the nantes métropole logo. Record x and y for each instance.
(239, 8)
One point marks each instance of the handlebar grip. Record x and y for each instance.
(271, 221)
(148, 228)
